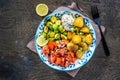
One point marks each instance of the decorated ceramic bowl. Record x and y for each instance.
(79, 62)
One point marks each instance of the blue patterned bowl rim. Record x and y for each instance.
(79, 63)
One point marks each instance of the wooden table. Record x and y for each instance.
(18, 23)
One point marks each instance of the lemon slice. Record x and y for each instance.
(42, 9)
(41, 41)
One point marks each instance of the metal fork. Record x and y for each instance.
(96, 17)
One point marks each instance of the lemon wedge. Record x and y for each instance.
(42, 9)
(41, 41)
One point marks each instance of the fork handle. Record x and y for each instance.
(104, 43)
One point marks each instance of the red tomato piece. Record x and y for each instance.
(58, 61)
(63, 62)
(71, 54)
(52, 53)
(52, 59)
(62, 51)
(46, 50)
(68, 54)
(67, 63)
(63, 59)
(73, 60)
(58, 55)
(52, 45)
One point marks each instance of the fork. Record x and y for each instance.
(96, 18)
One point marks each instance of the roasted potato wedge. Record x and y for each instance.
(88, 39)
(85, 30)
(84, 46)
(79, 54)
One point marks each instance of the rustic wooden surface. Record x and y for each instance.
(18, 22)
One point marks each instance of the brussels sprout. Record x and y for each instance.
(48, 34)
(51, 39)
(56, 31)
(44, 34)
(53, 19)
(49, 25)
(65, 33)
(55, 26)
(63, 36)
(57, 36)
(52, 34)
(80, 48)
(58, 22)
(80, 33)
(45, 29)
(63, 30)
(73, 29)
(60, 28)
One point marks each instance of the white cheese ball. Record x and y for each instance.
(67, 21)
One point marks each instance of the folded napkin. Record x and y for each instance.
(73, 6)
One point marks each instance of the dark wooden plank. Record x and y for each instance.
(18, 22)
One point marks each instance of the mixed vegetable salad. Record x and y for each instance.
(65, 39)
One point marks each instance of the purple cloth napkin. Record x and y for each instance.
(73, 73)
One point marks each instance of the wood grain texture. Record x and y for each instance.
(18, 22)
